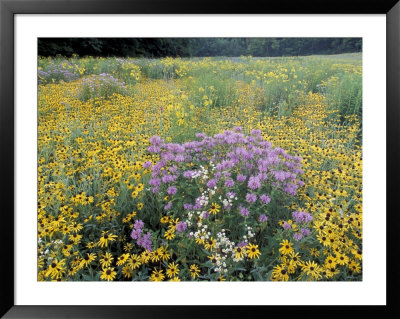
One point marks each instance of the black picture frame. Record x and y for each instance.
(8, 10)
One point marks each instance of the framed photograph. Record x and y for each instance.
(170, 154)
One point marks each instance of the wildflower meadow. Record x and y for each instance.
(200, 169)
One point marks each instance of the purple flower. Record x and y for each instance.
(138, 224)
(155, 140)
(154, 149)
(297, 236)
(280, 175)
(263, 218)
(188, 174)
(155, 182)
(136, 233)
(171, 190)
(188, 206)
(302, 217)
(251, 198)
(145, 241)
(244, 211)
(200, 135)
(167, 156)
(286, 225)
(229, 183)
(181, 227)
(168, 178)
(212, 183)
(241, 178)
(254, 182)
(265, 199)
(305, 232)
(242, 244)
(168, 206)
(179, 158)
(147, 164)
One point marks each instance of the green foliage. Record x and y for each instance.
(161, 47)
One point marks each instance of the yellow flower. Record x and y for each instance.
(157, 275)
(122, 259)
(252, 251)
(214, 208)
(105, 237)
(106, 260)
(286, 248)
(172, 270)
(194, 271)
(108, 274)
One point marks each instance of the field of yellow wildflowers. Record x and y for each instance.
(236, 169)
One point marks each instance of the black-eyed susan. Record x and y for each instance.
(122, 259)
(106, 260)
(145, 256)
(354, 266)
(128, 247)
(239, 252)
(214, 258)
(253, 251)
(155, 255)
(210, 244)
(157, 275)
(194, 271)
(75, 238)
(170, 234)
(214, 208)
(330, 261)
(286, 247)
(90, 245)
(342, 259)
(164, 219)
(56, 268)
(173, 223)
(311, 268)
(108, 274)
(88, 258)
(280, 273)
(134, 261)
(126, 271)
(105, 238)
(172, 270)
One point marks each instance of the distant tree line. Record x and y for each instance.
(196, 47)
